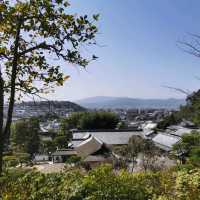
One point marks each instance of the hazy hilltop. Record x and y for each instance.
(51, 104)
(40, 108)
(126, 102)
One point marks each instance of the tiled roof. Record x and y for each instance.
(165, 141)
(98, 158)
(110, 137)
(64, 153)
(180, 132)
(89, 146)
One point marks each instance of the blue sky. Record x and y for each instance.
(139, 52)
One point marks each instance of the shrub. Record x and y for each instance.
(10, 161)
(101, 183)
(73, 160)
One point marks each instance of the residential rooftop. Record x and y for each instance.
(110, 138)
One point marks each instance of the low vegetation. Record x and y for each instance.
(101, 183)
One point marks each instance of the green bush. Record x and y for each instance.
(101, 183)
(10, 161)
(73, 160)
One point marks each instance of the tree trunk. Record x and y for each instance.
(10, 108)
(133, 165)
(13, 83)
(5, 133)
(1, 122)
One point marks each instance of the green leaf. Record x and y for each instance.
(96, 17)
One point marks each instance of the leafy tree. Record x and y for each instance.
(190, 112)
(35, 38)
(25, 136)
(15, 159)
(73, 160)
(47, 146)
(48, 116)
(61, 141)
(131, 151)
(137, 146)
(63, 137)
(150, 156)
(188, 148)
(90, 120)
(99, 120)
(194, 156)
(122, 125)
(172, 119)
(10, 161)
(70, 122)
(23, 157)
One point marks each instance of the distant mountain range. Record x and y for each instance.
(126, 102)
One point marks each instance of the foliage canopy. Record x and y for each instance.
(90, 120)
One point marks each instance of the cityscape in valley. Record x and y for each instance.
(53, 116)
(99, 100)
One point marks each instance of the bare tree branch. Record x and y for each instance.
(178, 90)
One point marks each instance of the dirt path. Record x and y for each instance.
(49, 168)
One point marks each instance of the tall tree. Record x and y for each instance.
(36, 36)
(25, 136)
(131, 151)
(141, 148)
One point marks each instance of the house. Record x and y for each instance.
(182, 131)
(109, 138)
(172, 135)
(148, 129)
(41, 158)
(165, 141)
(149, 126)
(95, 147)
(49, 125)
(148, 134)
(188, 124)
(94, 152)
(60, 156)
(89, 146)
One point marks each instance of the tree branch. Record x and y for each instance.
(178, 89)
(39, 46)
